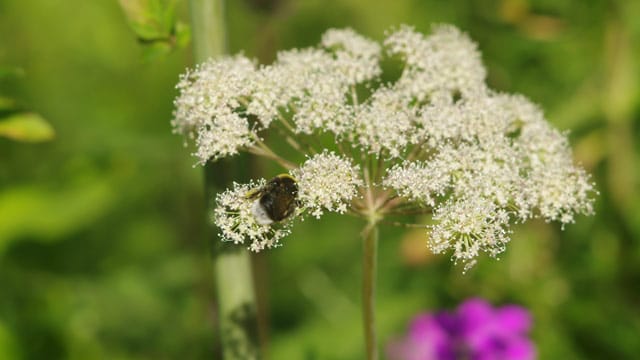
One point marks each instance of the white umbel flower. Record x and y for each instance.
(206, 103)
(356, 57)
(554, 186)
(235, 217)
(447, 60)
(469, 226)
(435, 141)
(222, 136)
(385, 122)
(422, 182)
(327, 182)
(210, 90)
(292, 76)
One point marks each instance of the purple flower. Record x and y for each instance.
(476, 331)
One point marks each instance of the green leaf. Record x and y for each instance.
(164, 12)
(148, 32)
(26, 127)
(183, 34)
(155, 24)
(154, 50)
(133, 9)
(150, 19)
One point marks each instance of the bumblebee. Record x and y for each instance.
(275, 201)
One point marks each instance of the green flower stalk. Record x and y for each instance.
(434, 141)
(237, 318)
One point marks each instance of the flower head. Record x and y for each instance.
(235, 216)
(446, 62)
(327, 182)
(356, 57)
(475, 331)
(435, 141)
(209, 90)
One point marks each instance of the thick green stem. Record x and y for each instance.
(208, 29)
(369, 266)
(238, 324)
(237, 318)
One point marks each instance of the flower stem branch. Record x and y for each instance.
(261, 149)
(369, 266)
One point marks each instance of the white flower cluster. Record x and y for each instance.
(384, 124)
(217, 98)
(206, 103)
(234, 216)
(327, 182)
(443, 141)
(356, 57)
(447, 61)
(474, 224)
(498, 160)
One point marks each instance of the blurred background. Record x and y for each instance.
(102, 247)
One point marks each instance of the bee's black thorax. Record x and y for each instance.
(279, 197)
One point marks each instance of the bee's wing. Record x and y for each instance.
(254, 193)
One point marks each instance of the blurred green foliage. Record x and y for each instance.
(102, 251)
(155, 24)
(19, 124)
